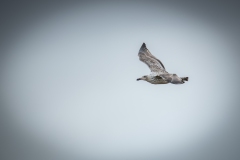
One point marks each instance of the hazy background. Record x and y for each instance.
(68, 81)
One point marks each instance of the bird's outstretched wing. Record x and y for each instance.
(154, 64)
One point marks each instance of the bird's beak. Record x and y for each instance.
(139, 79)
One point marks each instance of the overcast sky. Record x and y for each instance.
(69, 89)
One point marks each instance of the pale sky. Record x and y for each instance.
(70, 81)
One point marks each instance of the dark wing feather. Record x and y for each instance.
(154, 64)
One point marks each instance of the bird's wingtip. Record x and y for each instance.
(143, 46)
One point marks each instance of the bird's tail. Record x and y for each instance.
(184, 79)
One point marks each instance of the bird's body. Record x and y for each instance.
(153, 79)
(158, 73)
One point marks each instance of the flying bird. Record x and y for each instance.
(158, 75)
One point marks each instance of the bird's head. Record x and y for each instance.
(143, 78)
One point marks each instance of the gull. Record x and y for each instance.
(158, 75)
